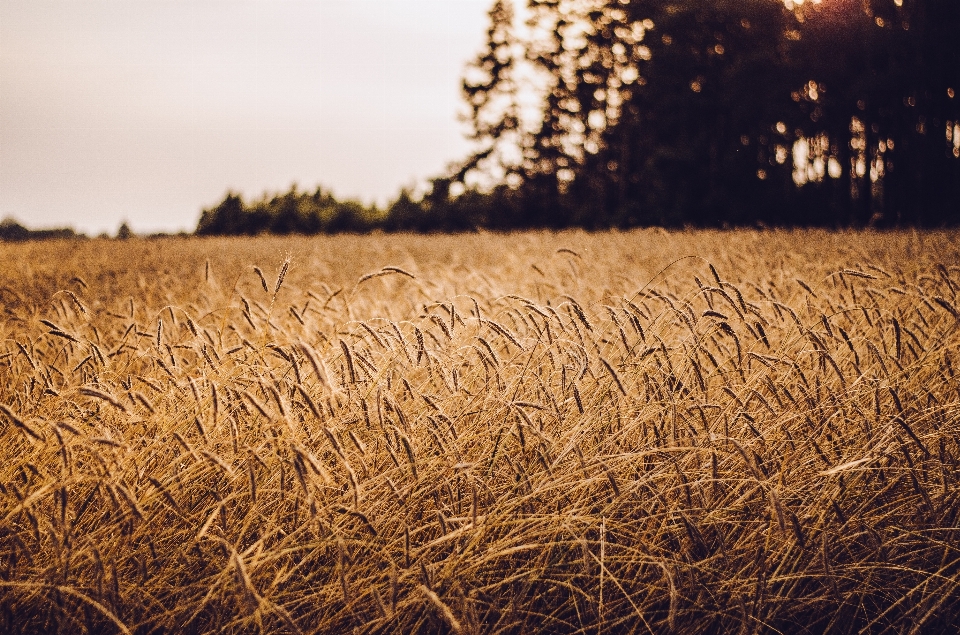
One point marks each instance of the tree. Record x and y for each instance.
(490, 90)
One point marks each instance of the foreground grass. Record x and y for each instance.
(559, 433)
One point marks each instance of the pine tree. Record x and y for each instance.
(490, 91)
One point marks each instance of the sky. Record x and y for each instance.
(147, 111)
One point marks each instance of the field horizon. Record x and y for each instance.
(645, 431)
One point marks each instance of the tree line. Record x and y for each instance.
(12, 231)
(621, 113)
(304, 212)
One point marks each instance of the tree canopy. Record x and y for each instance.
(838, 112)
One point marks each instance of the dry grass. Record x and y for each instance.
(560, 433)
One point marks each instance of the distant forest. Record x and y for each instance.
(12, 231)
(838, 113)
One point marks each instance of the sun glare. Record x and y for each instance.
(793, 4)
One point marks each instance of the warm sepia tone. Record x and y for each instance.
(544, 432)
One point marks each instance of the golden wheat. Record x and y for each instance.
(546, 432)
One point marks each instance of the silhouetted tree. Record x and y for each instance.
(124, 232)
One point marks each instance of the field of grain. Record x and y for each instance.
(642, 432)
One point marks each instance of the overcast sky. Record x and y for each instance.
(149, 110)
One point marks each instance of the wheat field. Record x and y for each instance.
(641, 432)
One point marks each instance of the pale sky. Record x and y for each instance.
(149, 110)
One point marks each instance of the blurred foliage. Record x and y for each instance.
(12, 231)
(319, 212)
(293, 212)
(723, 112)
